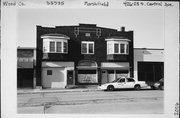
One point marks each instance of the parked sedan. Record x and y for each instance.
(123, 83)
(158, 85)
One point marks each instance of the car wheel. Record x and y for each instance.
(137, 87)
(110, 88)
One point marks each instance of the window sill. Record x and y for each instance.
(117, 54)
(87, 54)
(55, 52)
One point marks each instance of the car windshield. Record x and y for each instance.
(116, 80)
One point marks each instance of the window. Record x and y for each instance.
(52, 46)
(49, 72)
(84, 48)
(87, 47)
(127, 48)
(110, 48)
(87, 76)
(56, 46)
(122, 80)
(87, 34)
(65, 47)
(115, 47)
(91, 46)
(122, 48)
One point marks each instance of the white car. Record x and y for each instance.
(123, 83)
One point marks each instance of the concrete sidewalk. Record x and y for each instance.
(63, 90)
(34, 91)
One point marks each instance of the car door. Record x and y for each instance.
(121, 83)
(129, 83)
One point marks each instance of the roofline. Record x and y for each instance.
(55, 37)
(78, 25)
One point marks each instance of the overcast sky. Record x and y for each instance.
(148, 25)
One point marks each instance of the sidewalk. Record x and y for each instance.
(63, 90)
(54, 90)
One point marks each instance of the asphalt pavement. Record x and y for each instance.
(92, 101)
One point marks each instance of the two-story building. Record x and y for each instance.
(82, 55)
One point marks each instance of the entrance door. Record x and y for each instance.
(70, 77)
(104, 76)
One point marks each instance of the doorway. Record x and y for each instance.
(70, 77)
(104, 76)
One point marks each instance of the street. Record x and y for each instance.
(93, 102)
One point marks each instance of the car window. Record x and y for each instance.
(122, 80)
(130, 80)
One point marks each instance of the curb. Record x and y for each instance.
(56, 91)
(37, 91)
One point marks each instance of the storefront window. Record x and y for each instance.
(87, 76)
(111, 76)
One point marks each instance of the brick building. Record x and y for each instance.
(82, 55)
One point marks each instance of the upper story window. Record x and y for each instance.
(58, 47)
(52, 46)
(117, 46)
(55, 43)
(87, 47)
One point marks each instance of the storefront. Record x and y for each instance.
(26, 67)
(113, 70)
(56, 74)
(148, 64)
(87, 72)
